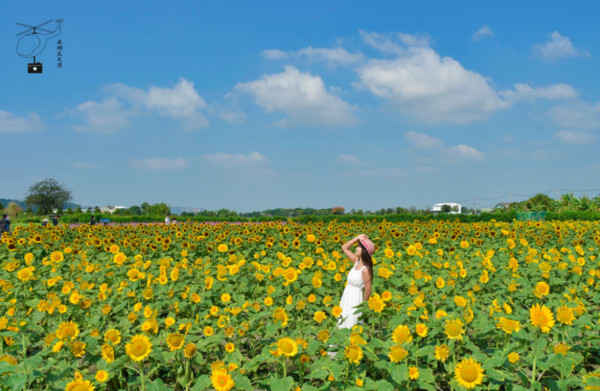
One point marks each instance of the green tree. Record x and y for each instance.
(338, 210)
(135, 210)
(13, 210)
(539, 202)
(446, 208)
(160, 209)
(46, 195)
(146, 208)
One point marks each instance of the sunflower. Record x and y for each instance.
(319, 316)
(541, 317)
(460, 301)
(102, 376)
(513, 357)
(225, 297)
(376, 304)
(280, 316)
(229, 347)
(401, 334)
(421, 330)
(541, 289)
(175, 341)
(78, 348)
(222, 248)
(290, 274)
(468, 373)
(561, 348)
(397, 353)
(287, 346)
(221, 380)
(113, 336)
(353, 353)
(454, 329)
(67, 330)
(108, 353)
(7, 358)
(56, 256)
(119, 258)
(139, 348)
(442, 352)
(413, 373)
(565, 315)
(323, 335)
(208, 331)
(80, 385)
(508, 325)
(440, 283)
(190, 350)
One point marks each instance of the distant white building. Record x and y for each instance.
(110, 209)
(454, 208)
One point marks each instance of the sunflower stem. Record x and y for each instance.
(141, 372)
(533, 369)
(284, 363)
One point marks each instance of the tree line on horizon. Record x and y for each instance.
(48, 196)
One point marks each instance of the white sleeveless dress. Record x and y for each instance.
(352, 296)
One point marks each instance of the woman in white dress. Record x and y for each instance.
(360, 277)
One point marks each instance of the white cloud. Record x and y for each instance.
(349, 159)
(182, 102)
(421, 140)
(84, 166)
(107, 116)
(577, 114)
(9, 123)
(483, 33)
(300, 96)
(525, 92)
(158, 164)
(557, 47)
(394, 43)
(275, 54)
(421, 83)
(225, 160)
(462, 152)
(335, 56)
(572, 137)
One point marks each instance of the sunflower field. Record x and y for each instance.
(254, 306)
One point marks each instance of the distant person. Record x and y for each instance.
(55, 220)
(7, 223)
(45, 222)
(3, 225)
(168, 220)
(93, 221)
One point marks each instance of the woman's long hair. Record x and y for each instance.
(366, 258)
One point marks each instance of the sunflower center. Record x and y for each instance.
(469, 373)
(541, 318)
(139, 348)
(286, 347)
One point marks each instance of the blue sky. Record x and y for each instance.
(255, 105)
